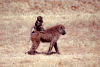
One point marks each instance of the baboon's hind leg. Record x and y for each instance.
(33, 48)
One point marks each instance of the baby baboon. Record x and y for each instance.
(38, 26)
(51, 35)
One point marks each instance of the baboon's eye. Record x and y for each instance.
(60, 27)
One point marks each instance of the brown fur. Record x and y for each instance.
(35, 38)
(51, 35)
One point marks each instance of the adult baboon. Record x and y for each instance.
(51, 35)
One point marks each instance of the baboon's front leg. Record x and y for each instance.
(56, 48)
(50, 47)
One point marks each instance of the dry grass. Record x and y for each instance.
(80, 47)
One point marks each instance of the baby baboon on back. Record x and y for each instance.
(51, 35)
(38, 26)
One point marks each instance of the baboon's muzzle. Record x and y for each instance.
(64, 32)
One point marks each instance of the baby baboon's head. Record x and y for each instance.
(40, 19)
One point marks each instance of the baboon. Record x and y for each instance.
(51, 35)
(38, 26)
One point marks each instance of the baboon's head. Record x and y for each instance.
(62, 30)
(40, 19)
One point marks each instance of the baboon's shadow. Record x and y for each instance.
(50, 53)
(43, 53)
(53, 53)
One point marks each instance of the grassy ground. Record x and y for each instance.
(80, 47)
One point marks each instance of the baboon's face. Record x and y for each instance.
(62, 30)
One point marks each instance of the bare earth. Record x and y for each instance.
(80, 47)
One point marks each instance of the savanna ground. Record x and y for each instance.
(80, 47)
